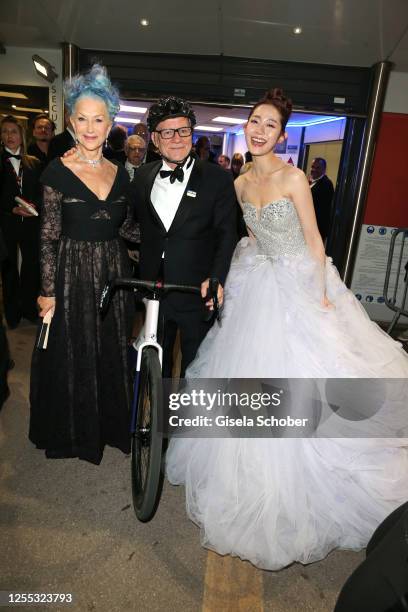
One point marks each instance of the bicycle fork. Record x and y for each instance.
(147, 337)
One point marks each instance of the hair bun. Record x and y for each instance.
(276, 97)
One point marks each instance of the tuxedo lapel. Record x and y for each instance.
(149, 186)
(187, 201)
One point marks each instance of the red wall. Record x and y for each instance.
(387, 202)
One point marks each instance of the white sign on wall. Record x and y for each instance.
(369, 272)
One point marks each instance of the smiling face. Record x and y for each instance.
(11, 136)
(177, 148)
(264, 129)
(91, 123)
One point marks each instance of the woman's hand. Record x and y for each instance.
(326, 303)
(45, 304)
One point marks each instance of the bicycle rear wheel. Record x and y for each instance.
(147, 441)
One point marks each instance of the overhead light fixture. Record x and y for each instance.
(126, 120)
(27, 109)
(144, 22)
(297, 30)
(44, 68)
(132, 109)
(13, 94)
(232, 120)
(317, 121)
(208, 128)
(15, 116)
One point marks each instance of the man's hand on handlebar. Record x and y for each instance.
(205, 285)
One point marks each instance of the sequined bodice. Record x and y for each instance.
(276, 227)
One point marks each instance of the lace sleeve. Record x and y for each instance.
(130, 230)
(49, 237)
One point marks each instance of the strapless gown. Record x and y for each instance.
(275, 501)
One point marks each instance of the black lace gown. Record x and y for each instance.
(80, 384)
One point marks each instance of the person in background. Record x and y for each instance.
(43, 133)
(152, 154)
(224, 161)
(116, 144)
(135, 149)
(203, 149)
(19, 176)
(236, 164)
(322, 194)
(61, 143)
(247, 166)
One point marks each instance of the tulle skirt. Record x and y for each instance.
(275, 501)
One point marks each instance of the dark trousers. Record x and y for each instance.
(380, 583)
(192, 327)
(20, 288)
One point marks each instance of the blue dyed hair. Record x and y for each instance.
(92, 84)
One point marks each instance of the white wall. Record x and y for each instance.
(396, 98)
(16, 68)
(322, 132)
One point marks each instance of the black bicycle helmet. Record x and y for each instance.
(169, 107)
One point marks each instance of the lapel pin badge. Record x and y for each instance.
(191, 194)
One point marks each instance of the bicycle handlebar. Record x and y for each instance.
(134, 283)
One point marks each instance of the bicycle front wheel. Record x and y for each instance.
(147, 441)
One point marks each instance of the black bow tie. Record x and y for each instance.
(177, 173)
(8, 155)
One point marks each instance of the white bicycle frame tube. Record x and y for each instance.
(148, 335)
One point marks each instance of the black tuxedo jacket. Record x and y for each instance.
(322, 193)
(32, 190)
(60, 144)
(200, 242)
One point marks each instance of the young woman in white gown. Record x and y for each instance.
(287, 314)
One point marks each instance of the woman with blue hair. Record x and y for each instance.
(80, 383)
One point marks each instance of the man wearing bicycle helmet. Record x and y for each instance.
(186, 208)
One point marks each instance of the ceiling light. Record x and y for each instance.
(27, 109)
(317, 121)
(232, 120)
(144, 22)
(126, 120)
(132, 109)
(15, 116)
(297, 30)
(44, 68)
(13, 94)
(208, 128)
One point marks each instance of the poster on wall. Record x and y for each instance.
(370, 269)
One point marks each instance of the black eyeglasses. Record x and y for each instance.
(183, 132)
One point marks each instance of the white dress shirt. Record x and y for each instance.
(15, 162)
(166, 196)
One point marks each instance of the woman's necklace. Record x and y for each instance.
(91, 162)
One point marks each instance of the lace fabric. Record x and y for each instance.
(80, 385)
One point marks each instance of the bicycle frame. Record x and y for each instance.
(148, 334)
(147, 337)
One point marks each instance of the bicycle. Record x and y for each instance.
(148, 403)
